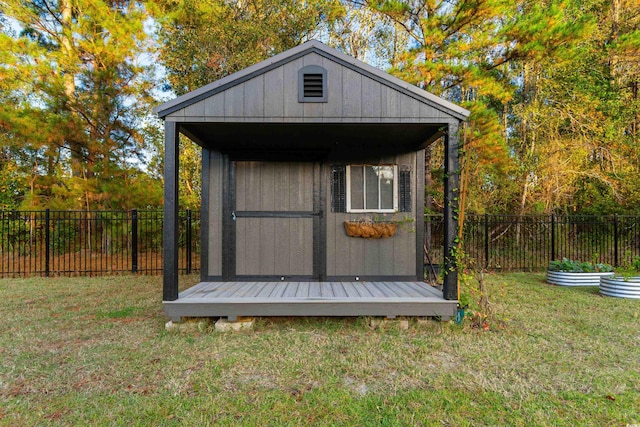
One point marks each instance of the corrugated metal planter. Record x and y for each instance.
(563, 278)
(620, 287)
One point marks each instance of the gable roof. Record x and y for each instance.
(313, 46)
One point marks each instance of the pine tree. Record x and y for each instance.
(77, 88)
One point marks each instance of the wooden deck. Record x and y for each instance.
(233, 299)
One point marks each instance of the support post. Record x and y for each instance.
(204, 216)
(419, 207)
(451, 199)
(134, 240)
(170, 225)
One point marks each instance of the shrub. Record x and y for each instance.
(571, 266)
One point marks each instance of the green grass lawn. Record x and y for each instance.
(94, 351)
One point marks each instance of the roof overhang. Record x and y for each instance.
(321, 140)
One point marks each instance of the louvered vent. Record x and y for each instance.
(313, 86)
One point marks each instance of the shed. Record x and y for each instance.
(292, 148)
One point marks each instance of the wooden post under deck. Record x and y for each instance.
(451, 198)
(170, 229)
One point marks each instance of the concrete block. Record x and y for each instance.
(242, 324)
(195, 324)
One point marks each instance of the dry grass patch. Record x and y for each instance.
(94, 351)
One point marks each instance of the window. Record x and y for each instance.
(312, 84)
(372, 188)
(339, 188)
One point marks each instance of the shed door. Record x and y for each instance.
(275, 216)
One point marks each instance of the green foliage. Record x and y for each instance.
(553, 92)
(552, 86)
(12, 185)
(72, 100)
(572, 266)
(220, 37)
(630, 265)
(574, 119)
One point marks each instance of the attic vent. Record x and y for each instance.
(312, 84)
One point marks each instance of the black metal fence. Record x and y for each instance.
(91, 243)
(529, 242)
(81, 243)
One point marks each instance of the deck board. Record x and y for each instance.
(226, 291)
(291, 290)
(338, 290)
(392, 291)
(375, 290)
(403, 291)
(314, 290)
(303, 290)
(232, 299)
(350, 290)
(249, 290)
(424, 289)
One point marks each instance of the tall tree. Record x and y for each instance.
(465, 51)
(78, 87)
(574, 119)
(203, 41)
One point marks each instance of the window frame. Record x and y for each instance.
(349, 209)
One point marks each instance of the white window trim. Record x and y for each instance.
(395, 191)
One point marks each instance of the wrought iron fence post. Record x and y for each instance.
(189, 241)
(553, 237)
(486, 240)
(47, 242)
(134, 240)
(615, 240)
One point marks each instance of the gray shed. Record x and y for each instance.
(294, 147)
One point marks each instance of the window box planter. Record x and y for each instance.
(621, 287)
(564, 278)
(370, 230)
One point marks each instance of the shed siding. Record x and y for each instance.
(274, 186)
(214, 106)
(273, 97)
(351, 93)
(292, 108)
(274, 246)
(254, 97)
(263, 246)
(371, 98)
(234, 102)
(354, 257)
(333, 108)
(215, 214)
(274, 101)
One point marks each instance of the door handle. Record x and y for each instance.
(233, 215)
